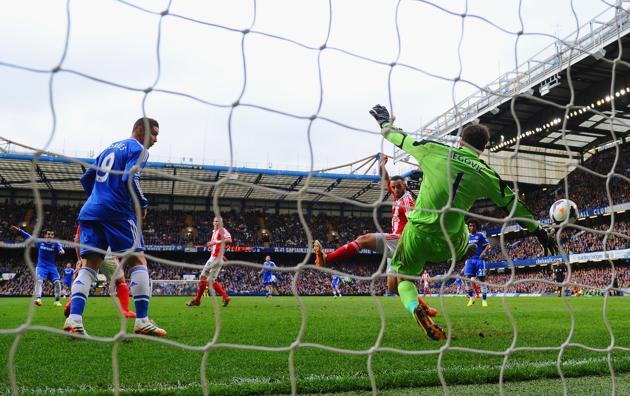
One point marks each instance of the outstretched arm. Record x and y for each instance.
(25, 234)
(382, 170)
(418, 149)
(503, 196)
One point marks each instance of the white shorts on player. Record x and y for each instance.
(387, 243)
(212, 268)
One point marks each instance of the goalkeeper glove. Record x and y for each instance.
(547, 240)
(380, 114)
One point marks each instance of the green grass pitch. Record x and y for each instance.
(52, 363)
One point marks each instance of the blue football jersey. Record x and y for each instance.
(47, 251)
(109, 195)
(480, 241)
(335, 280)
(268, 273)
(67, 275)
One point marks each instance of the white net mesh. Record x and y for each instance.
(514, 164)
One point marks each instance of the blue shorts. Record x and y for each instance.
(67, 282)
(475, 267)
(47, 273)
(120, 236)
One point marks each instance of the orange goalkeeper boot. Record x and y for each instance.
(431, 311)
(435, 332)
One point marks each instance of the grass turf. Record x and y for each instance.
(50, 363)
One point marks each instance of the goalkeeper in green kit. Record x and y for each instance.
(470, 179)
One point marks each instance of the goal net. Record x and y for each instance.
(242, 86)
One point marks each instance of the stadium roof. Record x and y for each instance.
(537, 94)
(61, 174)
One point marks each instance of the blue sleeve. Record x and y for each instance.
(484, 240)
(134, 157)
(24, 234)
(60, 248)
(88, 179)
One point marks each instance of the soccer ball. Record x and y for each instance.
(562, 210)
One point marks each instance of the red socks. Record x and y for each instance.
(347, 250)
(216, 286)
(122, 292)
(219, 290)
(202, 286)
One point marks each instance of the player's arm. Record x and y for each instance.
(135, 158)
(484, 251)
(25, 234)
(60, 250)
(383, 171)
(226, 237)
(503, 196)
(89, 178)
(486, 247)
(418, 149)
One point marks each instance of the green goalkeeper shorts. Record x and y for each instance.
(417, 246)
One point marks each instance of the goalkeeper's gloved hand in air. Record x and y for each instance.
(380, 114)
(547, 240)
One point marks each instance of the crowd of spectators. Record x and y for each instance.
(258, 228)
(586, 189)
(164, 227)
(239, 279)
(571, 240)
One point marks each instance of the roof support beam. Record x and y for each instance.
(292, 187)
(216, 179)
(251, 190)
(361, 191)
(42, 177)
(328, 189)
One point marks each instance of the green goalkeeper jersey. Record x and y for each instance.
(470, 180)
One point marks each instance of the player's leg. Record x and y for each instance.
(77, 268)
(366, 241)
(475, 288)
(56, 281)
(66, 289)
(122, 293)
(113, 271)
(218, 288)
(141, 291)
(203, 283)
(123, 237)
(481, 275)
(387, 242)
(81, 288)
(41, 275)
(408, 260)
(432, 311)
(469, 273)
